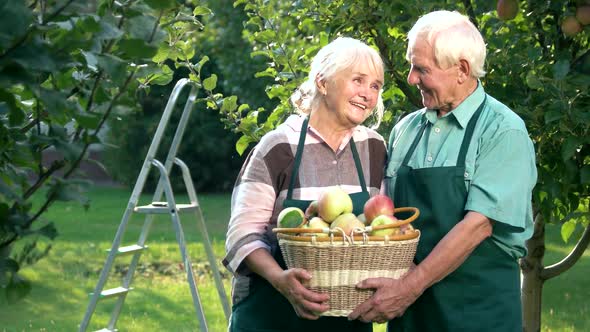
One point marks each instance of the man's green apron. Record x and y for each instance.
(483, 294)
(265, 309)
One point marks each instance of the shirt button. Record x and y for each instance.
(429, 158)
(437, 130)
(334, 162)
(466, 174)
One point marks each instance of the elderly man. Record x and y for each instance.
(467, 162)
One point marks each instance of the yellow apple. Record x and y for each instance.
(384, 220)
(347, 222)
(332, 203)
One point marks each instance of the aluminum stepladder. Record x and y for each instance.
(168, 206)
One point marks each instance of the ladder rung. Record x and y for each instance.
(129, 249)
(118, 291)
(162, 208)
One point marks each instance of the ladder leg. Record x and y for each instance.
(206, 242)
(213, 262)
(189, 273)
(182, 245)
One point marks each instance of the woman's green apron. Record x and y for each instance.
(265, 309)
(483, 293)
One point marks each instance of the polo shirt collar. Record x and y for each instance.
(465, 110)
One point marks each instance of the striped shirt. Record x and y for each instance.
(263, 183)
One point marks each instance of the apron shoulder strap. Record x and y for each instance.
(469, 133)
(298, 154)
(359, 166)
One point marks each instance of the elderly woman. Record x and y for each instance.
(325, 146)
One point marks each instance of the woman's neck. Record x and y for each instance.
(327, 126)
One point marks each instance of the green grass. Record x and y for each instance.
(161, 299)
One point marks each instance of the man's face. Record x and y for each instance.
(439, 87)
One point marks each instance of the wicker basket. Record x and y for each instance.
(338, 262)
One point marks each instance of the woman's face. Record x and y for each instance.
(352, 94)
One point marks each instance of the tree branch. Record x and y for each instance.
(571, 259)
(469, 9)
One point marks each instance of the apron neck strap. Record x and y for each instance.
(469, 133)
(301, 145)
(298, 154)
(466, 138)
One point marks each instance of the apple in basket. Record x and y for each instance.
(347, 222)
(316, 223)
(378, 205)
(332, 203)
(291, 217)
(312, 210)
(384, 219)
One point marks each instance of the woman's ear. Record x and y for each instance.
(321, 86)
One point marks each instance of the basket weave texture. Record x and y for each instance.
(338, 265)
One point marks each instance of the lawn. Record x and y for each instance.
(161, 299)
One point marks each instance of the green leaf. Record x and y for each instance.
(567, 229)
(108, 31)
(161, 4)
(49, 231)
(17, 288)
(560, 69)
(200, 11)
(265, 36)
(87, 120)
(141, 27)
(569, 147)
(533, 81)
(229, 104)
(242, 144)
(585, 174)
(210, 83)
(137, 49)
(113, 66)
(15, 18)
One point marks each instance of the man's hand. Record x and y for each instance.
(391, 299)
(307, 304)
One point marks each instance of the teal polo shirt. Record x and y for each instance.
(500, 163)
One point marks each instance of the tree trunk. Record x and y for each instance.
(532, 284)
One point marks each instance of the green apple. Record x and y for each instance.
(317, 223)
(347, 222)
(384, 219)
(334, 202)
(291, 217)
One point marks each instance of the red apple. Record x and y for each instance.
(312, 210)
(507, 9)
(570, 26)
(583, 15)
(378, 205)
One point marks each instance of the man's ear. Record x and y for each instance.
(464, 70)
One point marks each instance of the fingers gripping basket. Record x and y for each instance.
(338, 262)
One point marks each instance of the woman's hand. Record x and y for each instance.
(307, 304)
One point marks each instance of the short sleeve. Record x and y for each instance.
(503, 179)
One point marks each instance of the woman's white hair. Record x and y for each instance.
(341, 54)
(452, 37)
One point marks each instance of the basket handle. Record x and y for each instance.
(398, 223)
